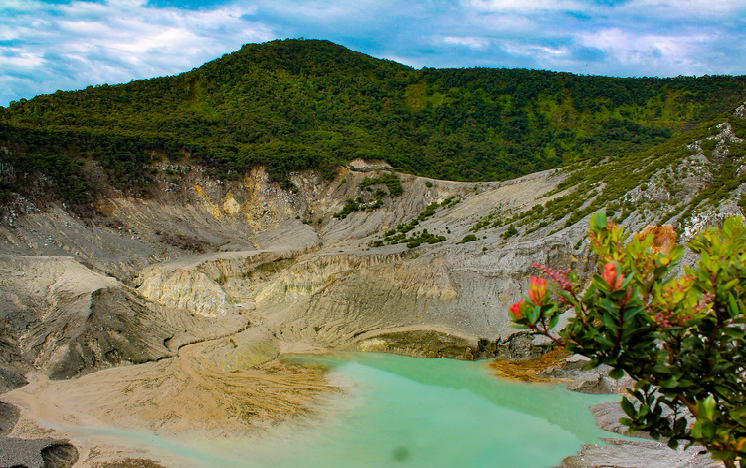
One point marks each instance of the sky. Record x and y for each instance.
(46, 45)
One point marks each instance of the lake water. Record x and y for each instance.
(405, 412)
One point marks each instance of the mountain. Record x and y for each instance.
(199, 269)
(305, 104)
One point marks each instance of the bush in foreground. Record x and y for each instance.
(682, 339)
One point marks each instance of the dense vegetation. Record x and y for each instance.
(295, 104)
(625, 184)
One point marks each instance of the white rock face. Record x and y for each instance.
(189, 290)
(741, 111)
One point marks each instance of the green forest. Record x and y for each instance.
(306, 104)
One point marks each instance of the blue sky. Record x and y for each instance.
(70, 44)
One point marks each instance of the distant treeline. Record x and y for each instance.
(299, 104)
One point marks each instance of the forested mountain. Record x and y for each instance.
(306, 104)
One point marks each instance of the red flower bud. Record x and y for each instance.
(611, 277)
(515, 309)
(538, 290)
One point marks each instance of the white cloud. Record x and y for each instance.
(514, 47)
(471, 42)
(118, 41)
(647, 49)
(22, 60)
(521, 5)
(698, 7)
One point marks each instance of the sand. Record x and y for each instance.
(187, 394)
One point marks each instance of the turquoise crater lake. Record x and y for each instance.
(408, 412)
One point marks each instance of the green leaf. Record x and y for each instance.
(680, 425)
(736, 333)
(626, 422)
(605, 341)
(548, 309)
(676, 252)
(706, 408)
(600, 284)
(697, 430)
(589, 293)
(553, 321)
(733, 306)
(671, 382)
(738, 412)
(598, 221)
(609, 322)
(628, 407)
(731, 283)
(660, 272)
(616, 374)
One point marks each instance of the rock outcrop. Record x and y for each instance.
(69, 320)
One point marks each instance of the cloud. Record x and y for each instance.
(71, 44)
(522, 5)
(470, 42)
(632, 49)
(119, 41)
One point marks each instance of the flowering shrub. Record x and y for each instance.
(682, 339)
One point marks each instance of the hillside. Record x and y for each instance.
(199, 288)
(683, 182)
(304, 104)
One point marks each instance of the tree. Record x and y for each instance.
(682, 339)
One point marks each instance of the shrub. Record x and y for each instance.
(349, 207)
(682, 339)
(391, 181)
(510, 232)
(467, 238)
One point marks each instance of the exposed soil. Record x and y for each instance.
(527, 370)
(129, 463)
(174, 395)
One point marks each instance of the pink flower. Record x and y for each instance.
(558, 277)
(538, 290)
(612, 278)
(515, 309)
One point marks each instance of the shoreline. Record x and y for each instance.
(170, 401)
(106, 443)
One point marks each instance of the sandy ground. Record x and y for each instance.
(169, 397)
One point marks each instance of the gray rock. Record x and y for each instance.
(638, 454)
(10, 379)
(607, 416)
(8, 417)
(633, 453)
(36, 453)
(598, 383)
(587, 382)
(594, 381)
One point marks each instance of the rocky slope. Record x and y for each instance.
(245, 253)
(272, 270)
